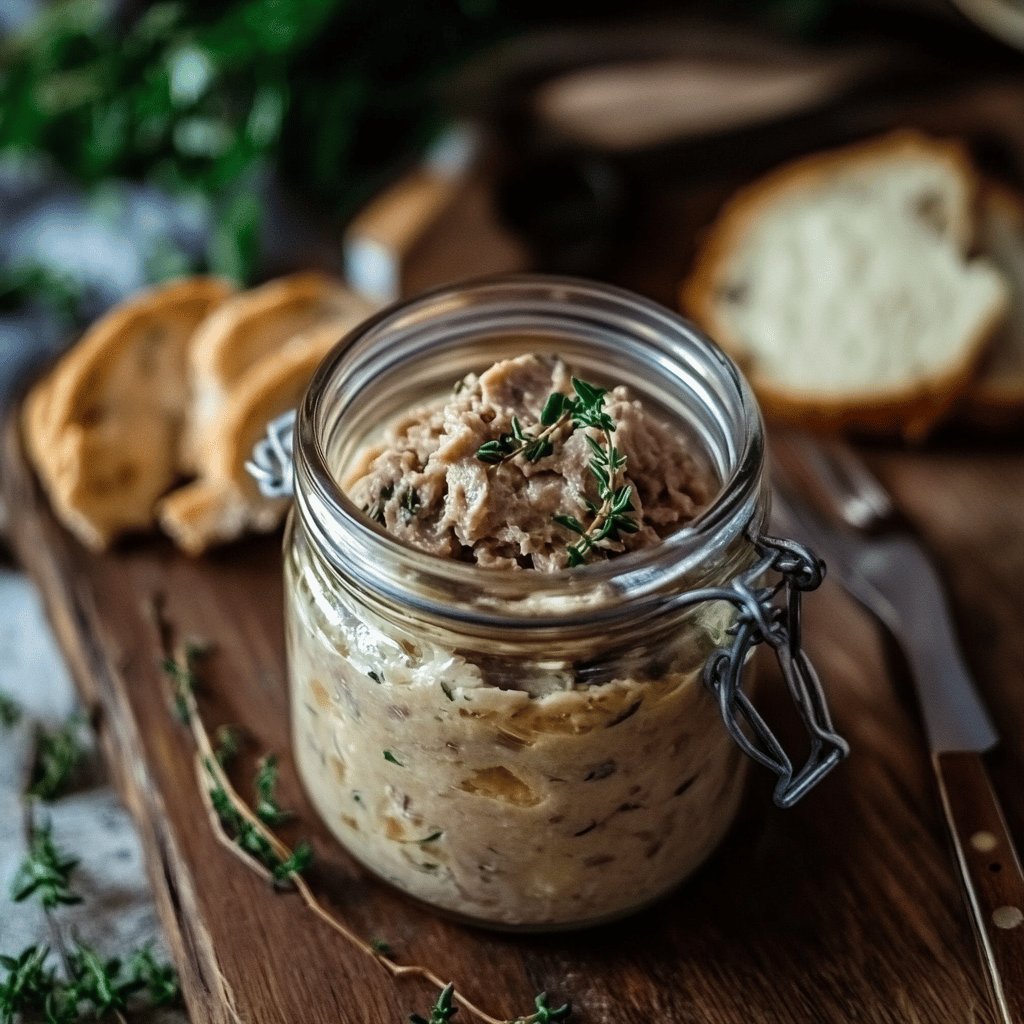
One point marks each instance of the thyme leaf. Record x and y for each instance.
(58, 753)
(613, 516)
(45, 872)
(388, 756)
(443, 1009)
(267, 808)
(10, 711)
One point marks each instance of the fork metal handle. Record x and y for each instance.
(990, 872)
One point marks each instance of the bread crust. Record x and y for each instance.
(249, 328)
(911, 410)
(224, 502)
(988, 400)
(102, 428)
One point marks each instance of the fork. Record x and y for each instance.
(880, 562)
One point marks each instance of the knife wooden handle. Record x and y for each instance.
(991, 874)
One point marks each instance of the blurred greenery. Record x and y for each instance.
(209, 99)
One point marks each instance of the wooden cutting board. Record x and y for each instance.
(843, 909)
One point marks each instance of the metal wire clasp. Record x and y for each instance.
(761, 619)
(271, 465)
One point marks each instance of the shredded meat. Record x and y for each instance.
(427, 487)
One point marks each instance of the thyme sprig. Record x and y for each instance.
(58, 754)
(612, 516)
(45, 872)
(444, 1009)
(267, 808)
(235, 824)
(93, 986)
(10, 711)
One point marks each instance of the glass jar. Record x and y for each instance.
(522, 749)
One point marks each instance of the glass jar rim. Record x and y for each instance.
(634, 582)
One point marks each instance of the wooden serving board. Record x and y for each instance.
(843, 909)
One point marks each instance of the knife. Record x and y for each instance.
(893, 577)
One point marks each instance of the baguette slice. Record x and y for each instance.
(842, 284)
(223, 503)
(103, 428)
(255, 325)
(996, 396)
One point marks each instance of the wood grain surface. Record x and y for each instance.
(843, 909)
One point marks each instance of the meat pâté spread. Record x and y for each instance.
(508, 788)
(431, 484)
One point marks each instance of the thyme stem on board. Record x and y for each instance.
(221, 798)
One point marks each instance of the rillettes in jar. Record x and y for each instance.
(527, 749)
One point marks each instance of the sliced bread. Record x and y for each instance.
(223, 503)
(103, 428)
(842, 284)
(255, 325)
(996, 395)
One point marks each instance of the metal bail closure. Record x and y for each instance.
(272, 465)
(761, 619)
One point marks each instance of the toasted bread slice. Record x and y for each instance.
(223, 502)
(842, 284)
(254, 325)
(103, 427)
(996, 395)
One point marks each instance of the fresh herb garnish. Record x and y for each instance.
(228, 742)
(612, 516)
(381, 946)
(558, 410)
(267, 808)
(28, 983)
(45, 872)
(410, 503)
(442, 1011)
(58, 753)
(388, 756)
(376, 510)
(10, 711)
(183, 674)
(159, 980)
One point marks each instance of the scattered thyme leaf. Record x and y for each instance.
(388, 756)
(376, 510)
(446, 690)
(228, 741)
(376, 677)
(443, 1009)
(27, 982)
(533, 446)
(160, 980)
(99, 981)
(613, 516)
(45, 872)
(381, 946)
(58, 753)
(267, 808)
(10, 711)
(544, 1014)
(300, 859)
(410, 503)
(183, 676)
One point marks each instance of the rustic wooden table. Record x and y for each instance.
(845, 908)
